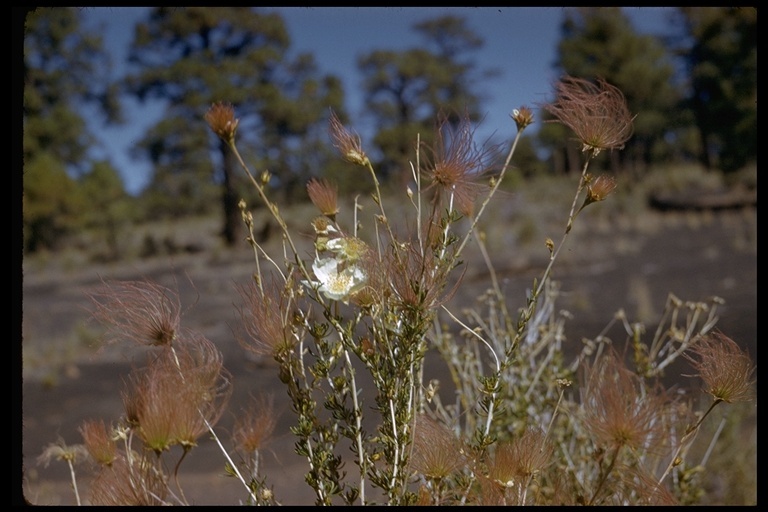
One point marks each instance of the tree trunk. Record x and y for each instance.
(232, 217)
(705, 159)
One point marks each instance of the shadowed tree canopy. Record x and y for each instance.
(65, 68)
(190, 58)
(405, 90)
(720, 53)
(107, 206)
(600, 42)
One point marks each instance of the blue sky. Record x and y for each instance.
(519, 41)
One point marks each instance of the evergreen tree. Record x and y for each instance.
(600, 42)
(192, 57)
(106, 205)
(50, 206)
(65, 68)
(405, 90)
(719, 48)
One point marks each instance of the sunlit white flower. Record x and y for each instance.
(337, 283)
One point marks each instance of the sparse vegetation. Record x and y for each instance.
(521, 422)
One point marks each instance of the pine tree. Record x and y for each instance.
(405, 90)
(190, 58)
(65, 68)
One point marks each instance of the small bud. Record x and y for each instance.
(432, 388)
(550, 246)
(265, 177)
(367, 347)
(247, 218)
(356, 157)
(322, 226)
(522, 117)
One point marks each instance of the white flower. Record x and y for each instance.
(336, 283)
(347, 248)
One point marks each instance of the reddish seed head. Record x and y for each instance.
(221, 118)
(437, 452)
(182, 391)
(140, 311)
(725, 369)
(346, 142)
(515, 461)
(324, 196)
(265, 319)
(98, 441)
(600, 188)
(456, 165)
(135, 480)
(617, 411)
(597, 113)
(255, 424)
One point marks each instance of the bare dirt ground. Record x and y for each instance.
(66, 380)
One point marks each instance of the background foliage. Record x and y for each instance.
(694, 95)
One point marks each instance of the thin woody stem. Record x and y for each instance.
(571, 216)
(273, 210)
